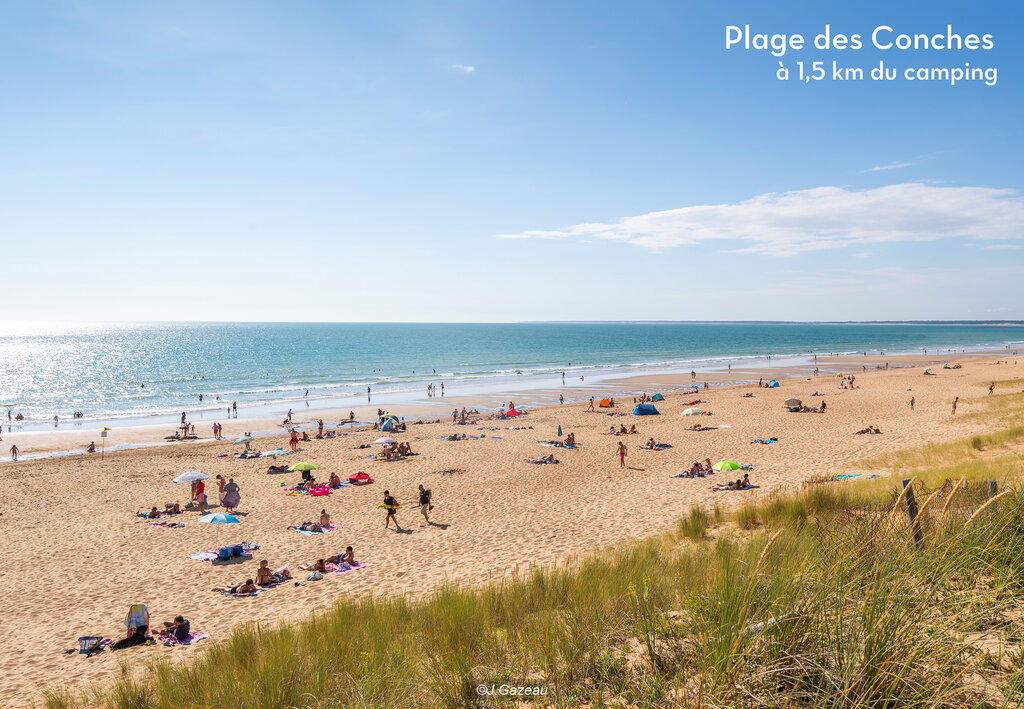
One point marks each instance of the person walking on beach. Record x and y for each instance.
(367, 395)
(911, 403)
(390, 506)
(14, 453)
(561, 399)
(425, 503)
(955, 400)
(991, 387)
(234, 408)
(622, 454)
(293, 442)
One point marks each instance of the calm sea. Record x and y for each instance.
(140, 371)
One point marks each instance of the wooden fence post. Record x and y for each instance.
(910, 504)
(991, 489)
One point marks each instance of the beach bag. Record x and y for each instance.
(237, 550)
(224, 553)
(89, 644)
(315, 576)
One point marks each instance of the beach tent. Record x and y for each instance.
(692, 412)
(388, 425)
(657, 397)
(605, 404)
(645, 410)
(512, 412)
(773, 384)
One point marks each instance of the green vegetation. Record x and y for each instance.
(815, 599)
(954, 453)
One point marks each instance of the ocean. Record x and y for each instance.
(151, 372)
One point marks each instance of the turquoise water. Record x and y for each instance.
(155, 371)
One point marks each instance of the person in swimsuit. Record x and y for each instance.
(622, 454)
(390, 506)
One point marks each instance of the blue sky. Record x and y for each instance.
(370, 161)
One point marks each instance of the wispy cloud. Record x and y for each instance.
(788, 223)
(1005, 246)
(464, 68)
(890, 166)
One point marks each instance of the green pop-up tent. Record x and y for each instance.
(657, 397)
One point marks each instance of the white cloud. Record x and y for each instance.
(890, 166)
(821, 218)
(1005, 246)
(464, 68)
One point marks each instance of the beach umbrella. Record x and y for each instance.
(384, 441)
(726, 465)
(927, 369)
(692, 412)
(559, 430)
(792, 403)
(302, 467)
(218, 518)
(191, 477)
(243, 439)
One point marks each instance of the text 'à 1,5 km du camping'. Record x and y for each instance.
(882, 38)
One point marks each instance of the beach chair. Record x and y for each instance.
(138, 617)
(89, 644)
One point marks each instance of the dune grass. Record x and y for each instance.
(813, 599)
(947, 454)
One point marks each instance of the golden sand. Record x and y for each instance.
(76, 557)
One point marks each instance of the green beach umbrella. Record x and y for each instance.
(302, 467)
(726, 465)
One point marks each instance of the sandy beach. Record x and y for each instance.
(77, 556)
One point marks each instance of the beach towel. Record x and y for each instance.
(168, 525)
(324, 530)
(192, 637)
(537, 461)
(335, 570)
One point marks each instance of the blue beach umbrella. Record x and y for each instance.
(243, 439)
(559, 430)
(218, 518)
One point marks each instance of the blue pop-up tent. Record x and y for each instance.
(644, 410)
(772, 384)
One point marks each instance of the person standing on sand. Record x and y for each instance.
(201, 495)
(234, 407)
(622, 454)
(955, 400)
(425, 502)
(390, 506)
(14, 453)
(911, 403)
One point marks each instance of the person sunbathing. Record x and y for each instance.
(320, 565)
(307, 527)
(277, 469)
(242, 589)
(263, 573)
(178, 628)
(623, 431)
(325, 519)
(748, 395)
(347, 557)
(613, 432)
(334, 481)
(153, 513)
(632, 429)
